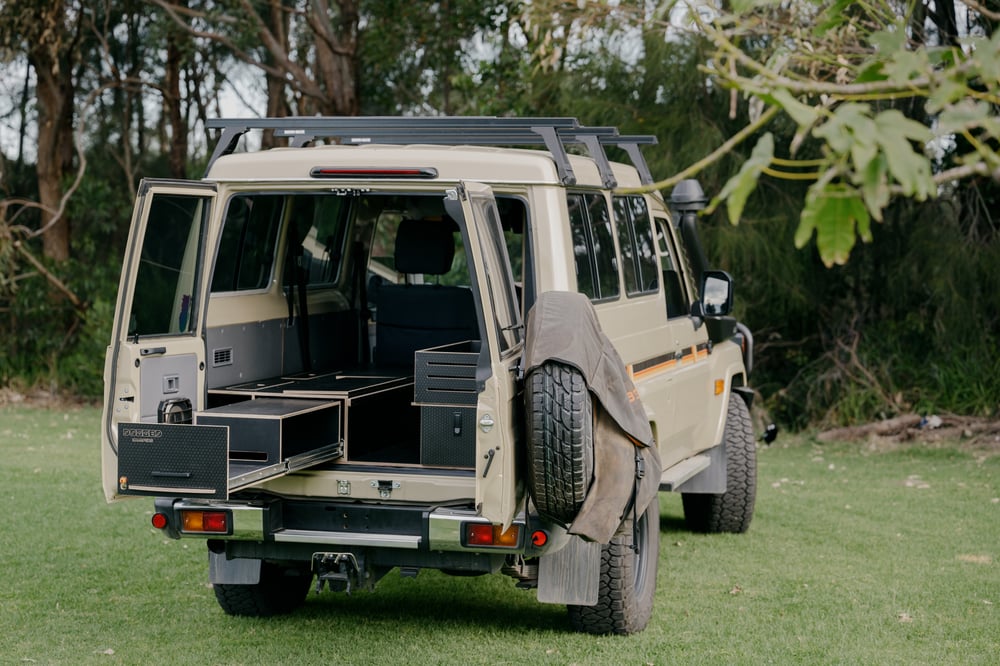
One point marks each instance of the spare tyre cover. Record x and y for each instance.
(563, 327)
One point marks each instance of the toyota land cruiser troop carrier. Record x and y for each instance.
(427, 343)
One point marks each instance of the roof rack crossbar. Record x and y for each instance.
(555, 133)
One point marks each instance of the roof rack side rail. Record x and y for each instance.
(552, 132)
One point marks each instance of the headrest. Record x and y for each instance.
(425, 246)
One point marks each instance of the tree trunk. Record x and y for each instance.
(172, 104)
(55, 91)
(337, 57)
(277, 99)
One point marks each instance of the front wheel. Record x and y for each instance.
(628, 579)
(732, 510)
(281, 590)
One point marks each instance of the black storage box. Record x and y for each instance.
(446, 375)
(266, 431)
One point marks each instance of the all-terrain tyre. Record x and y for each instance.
(560, 434)
(280, 591)
(628, 579)
(732, 510)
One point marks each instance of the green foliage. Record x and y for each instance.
(909, 322)
(833, 213)
(740, 186)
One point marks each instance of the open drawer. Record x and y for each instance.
(228, 448)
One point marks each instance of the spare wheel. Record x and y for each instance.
(560, 437)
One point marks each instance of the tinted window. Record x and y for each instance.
(166, 278)
(593, 247)
(245, 259)
(673, 283)
(585, 283)
(498, 276)
(318, 222)
(635, 238)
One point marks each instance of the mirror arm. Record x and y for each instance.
(697, 314)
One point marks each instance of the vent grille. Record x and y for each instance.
(222, 357)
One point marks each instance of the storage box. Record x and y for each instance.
(446, 375)
(265, 431)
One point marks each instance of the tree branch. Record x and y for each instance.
(709, 159)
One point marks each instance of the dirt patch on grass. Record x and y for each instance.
(977, 435)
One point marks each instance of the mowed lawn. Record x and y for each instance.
(856, 556)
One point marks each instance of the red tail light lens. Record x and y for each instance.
(205, 522)
(479, 534)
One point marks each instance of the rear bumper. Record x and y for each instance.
(345, 526)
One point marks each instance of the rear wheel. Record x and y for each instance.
(628, 579)
(732, 510)
(560, 440)
(281, 590)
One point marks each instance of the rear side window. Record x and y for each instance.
(317, 234)
(593, 246)
(635, 238)
(245, 260)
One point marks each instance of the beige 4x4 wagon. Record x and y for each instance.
(446, 343)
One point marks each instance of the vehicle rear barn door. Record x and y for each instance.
(154, 369)
(497, 494)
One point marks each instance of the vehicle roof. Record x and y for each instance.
(453, 163)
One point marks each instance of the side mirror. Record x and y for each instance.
(716, 293)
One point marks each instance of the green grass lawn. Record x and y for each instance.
(854, 557)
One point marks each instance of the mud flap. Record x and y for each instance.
(232, 572)
(571, 575)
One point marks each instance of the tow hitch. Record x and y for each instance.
(340, 571)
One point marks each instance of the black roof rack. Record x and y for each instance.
(555, 133)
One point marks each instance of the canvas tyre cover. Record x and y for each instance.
(563, 327)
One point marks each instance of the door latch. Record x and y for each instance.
(385, 488)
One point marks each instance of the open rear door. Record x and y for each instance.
(154, 368)
(498, 494)
(158, 437)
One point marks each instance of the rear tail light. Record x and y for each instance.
(205, 522)
(484, 534)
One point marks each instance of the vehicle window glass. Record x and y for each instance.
(603, 246)
(673, 283)
(635, 239)
(319, 222)
(593, 247)
(245, 259)
(383, 256)
(500, 281)
(167, 276)
(585, 283)
(383, 250)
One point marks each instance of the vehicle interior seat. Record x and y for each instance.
(411, 317)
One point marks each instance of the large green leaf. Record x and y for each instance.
(912, 170)
(875, 186)
(838, 216)
(845, 124)
(738, 188)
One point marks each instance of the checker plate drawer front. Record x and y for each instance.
(448, 436)
(180, 460)
(447, 375)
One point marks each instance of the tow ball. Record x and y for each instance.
(340, 571)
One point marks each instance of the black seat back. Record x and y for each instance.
(419, 316)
